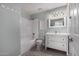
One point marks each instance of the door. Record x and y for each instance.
(35, 28)
(74, 30)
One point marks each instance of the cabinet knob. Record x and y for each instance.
(70, 38)
(70, 17)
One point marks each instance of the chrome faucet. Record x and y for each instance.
(55, 31)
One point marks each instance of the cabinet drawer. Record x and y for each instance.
(57, 38)
(57, 45)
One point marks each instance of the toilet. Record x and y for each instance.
(38, 44)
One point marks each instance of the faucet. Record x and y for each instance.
(55, 31)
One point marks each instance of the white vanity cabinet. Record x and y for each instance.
(58, 42)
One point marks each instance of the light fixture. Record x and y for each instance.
(3, 6)
(7, 8)
(12, 9)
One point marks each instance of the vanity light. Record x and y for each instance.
(12, 9)
(2, 6)
(16, 11)
(7, 8)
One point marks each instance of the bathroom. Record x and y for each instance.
(39, 29)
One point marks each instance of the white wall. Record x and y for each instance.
(9, 32)
(26, 33)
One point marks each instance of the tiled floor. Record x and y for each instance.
(43, 52)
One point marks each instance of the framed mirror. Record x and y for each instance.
(60, 22)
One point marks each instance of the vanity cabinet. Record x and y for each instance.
(58, 42)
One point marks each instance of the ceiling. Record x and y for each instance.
(32, 8)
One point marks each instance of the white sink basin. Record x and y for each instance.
(57, 33)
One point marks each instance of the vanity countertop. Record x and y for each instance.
(57, 33)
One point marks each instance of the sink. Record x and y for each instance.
(62, 33)
(57, 33)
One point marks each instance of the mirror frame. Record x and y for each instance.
(64, 18)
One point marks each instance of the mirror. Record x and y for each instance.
(60, 22)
